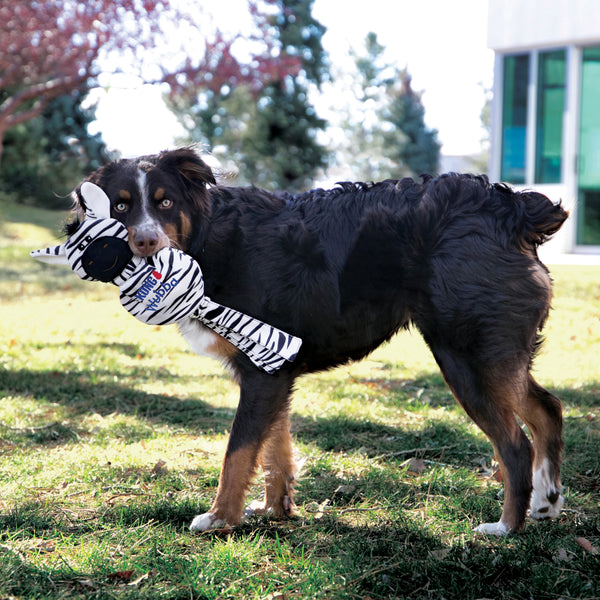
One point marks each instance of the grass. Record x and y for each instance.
(112, 433)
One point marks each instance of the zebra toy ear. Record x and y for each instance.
(97, 207)
(96, 201)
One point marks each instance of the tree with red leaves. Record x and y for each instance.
(50, 48)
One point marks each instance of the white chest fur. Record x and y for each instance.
(206, 342)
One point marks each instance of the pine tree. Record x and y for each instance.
(284, 132)
(408, 143)
(46, 157)
(265, 125)
(387, 131)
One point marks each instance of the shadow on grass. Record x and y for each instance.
(82, 393)
(85, 393)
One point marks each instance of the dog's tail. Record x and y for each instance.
(537, 218)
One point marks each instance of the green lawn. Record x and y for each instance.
(112, 434)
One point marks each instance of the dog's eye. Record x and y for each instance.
(166, 203)
(121, 207)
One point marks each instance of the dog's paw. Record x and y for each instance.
(545, 505)
(282, 510)
(206, 522)
(256, 509)
(498, 529)
(546, 500)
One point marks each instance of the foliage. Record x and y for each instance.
(407, 142)
(388, 137)
(48, 49)
(46, 157)
(260, 118)
(111, 437)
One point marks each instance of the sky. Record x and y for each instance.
(441, 42)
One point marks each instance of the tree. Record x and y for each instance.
(287, 152)
(365, 93)
(387, 134)
(50, 48)
(259, 115)
(45, 157)
(408, 143)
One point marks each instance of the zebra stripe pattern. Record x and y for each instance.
(166, 290)
(171, 288)
(266, 346)
(51, 253)
(92, 230)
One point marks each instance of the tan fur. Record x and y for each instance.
(280, 468)
(221, 348)
(236, 474)
(178, 237)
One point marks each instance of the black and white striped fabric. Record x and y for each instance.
(93, 231)
(172, 288)
(165, 289)
(266, 346)
(169, 288)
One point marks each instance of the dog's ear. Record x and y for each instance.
(189, 165)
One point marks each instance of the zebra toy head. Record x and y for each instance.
(97, 207)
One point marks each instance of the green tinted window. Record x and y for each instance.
(514, 117)
(549, 121)
(588, 210)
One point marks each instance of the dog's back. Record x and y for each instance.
(346, 268)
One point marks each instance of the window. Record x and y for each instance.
(514, 117)
(549, 118)
(588, 211)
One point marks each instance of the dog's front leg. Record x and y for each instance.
(262, 399)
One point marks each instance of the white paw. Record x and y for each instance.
(256, 508)
(546, 501)
(542, 508)
(498, 529)
(206, 522)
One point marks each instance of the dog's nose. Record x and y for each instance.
(146, 245)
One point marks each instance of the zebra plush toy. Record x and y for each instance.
(163, 289)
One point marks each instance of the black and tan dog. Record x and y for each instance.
(345, 269)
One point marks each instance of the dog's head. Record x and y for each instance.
(159, 198)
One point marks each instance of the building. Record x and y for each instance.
(546, 107)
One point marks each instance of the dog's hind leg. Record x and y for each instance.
(542, 413)
(490, 396)
(262, 400)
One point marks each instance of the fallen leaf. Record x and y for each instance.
(121, 575)
(345, 490)
(160, 468)
(316, 509)
(414, 465)
(142, 578)
(440, 554)
(586, 545)
(46, 546)
(562, 556)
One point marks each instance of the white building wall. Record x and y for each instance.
(515, 25)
